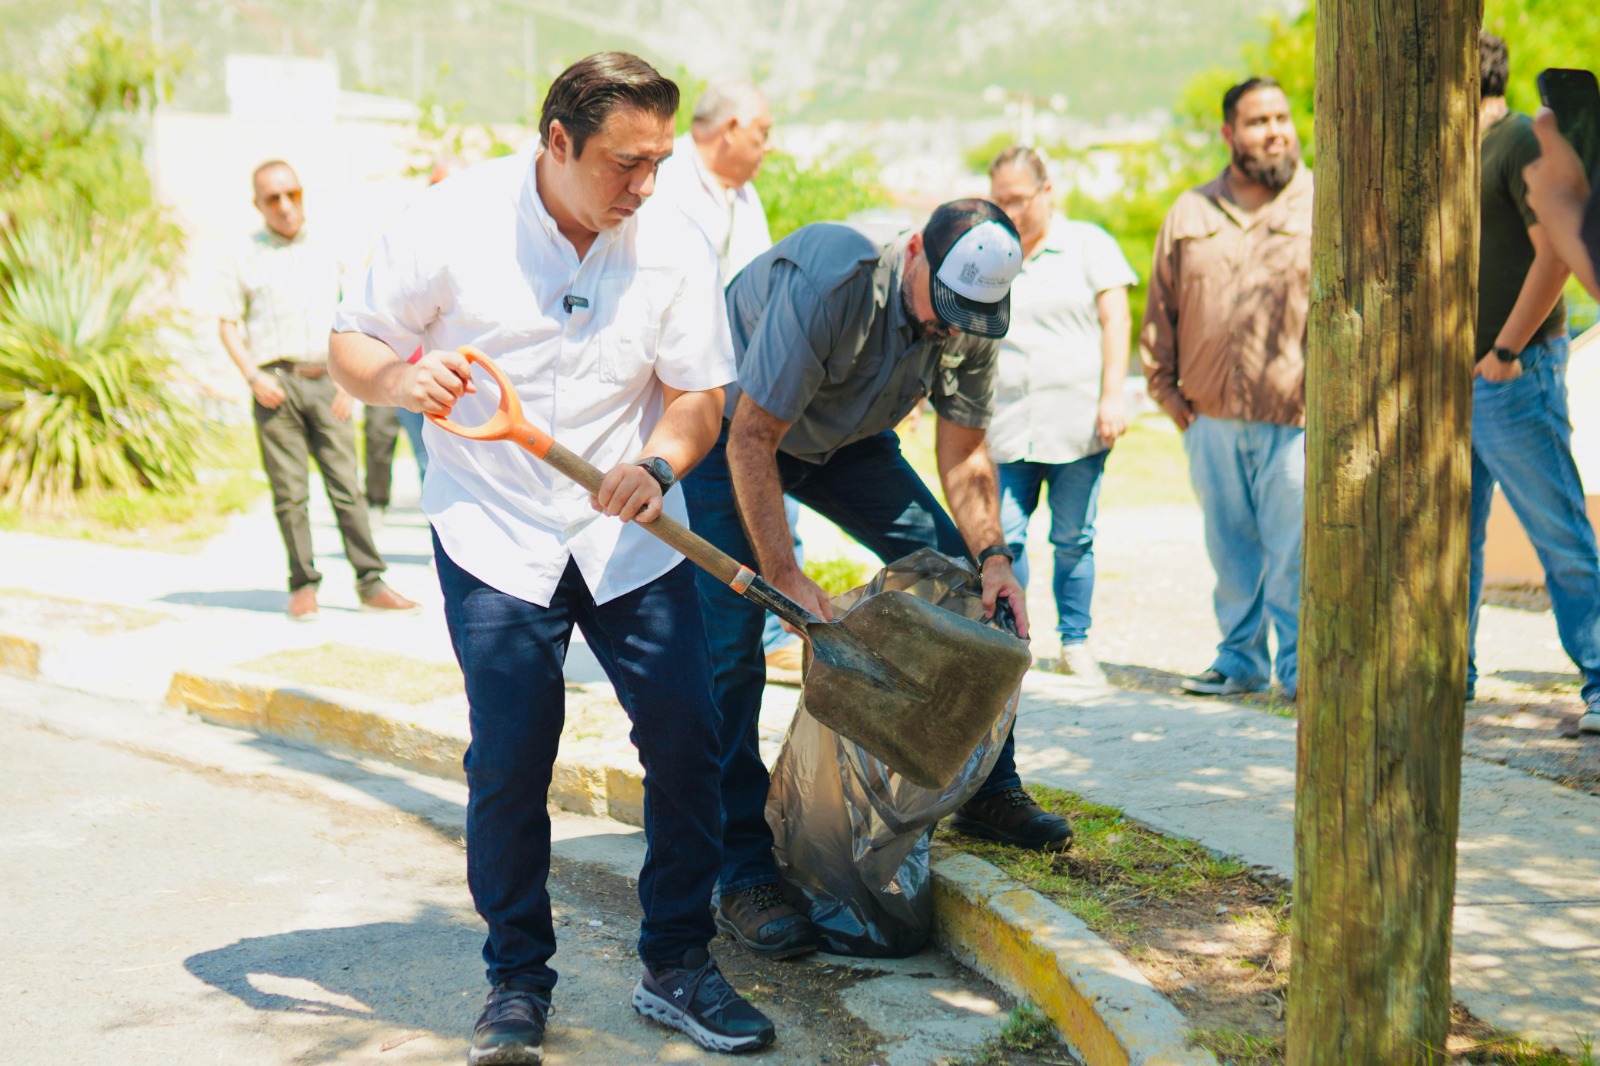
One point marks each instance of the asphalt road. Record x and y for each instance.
(177, 893)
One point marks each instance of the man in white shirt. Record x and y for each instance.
(712, 170)
(610, 323)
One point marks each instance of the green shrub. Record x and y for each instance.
(86, 397)
(837, 575)
(827, 191)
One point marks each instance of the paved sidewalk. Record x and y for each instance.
(1527, 952)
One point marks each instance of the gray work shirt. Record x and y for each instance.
(822, 341)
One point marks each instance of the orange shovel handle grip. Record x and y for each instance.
(508, 423)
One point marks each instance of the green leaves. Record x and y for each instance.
(87, 402)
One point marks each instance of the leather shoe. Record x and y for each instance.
(303, 604)
(1011, 817)
(786, 665)
(762, 920)
(385, 599)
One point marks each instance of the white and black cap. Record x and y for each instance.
(973, 254)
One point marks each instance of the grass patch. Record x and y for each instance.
(1026, 1031)
(378, 673)
(179, 521)
(1147, 466)
(1239, 1049)
(837, 575)
(1114, 864)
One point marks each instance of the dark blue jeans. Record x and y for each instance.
(652, 646)
(870, 491)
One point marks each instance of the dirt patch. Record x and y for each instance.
(1209, 933)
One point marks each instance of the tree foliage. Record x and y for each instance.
(86, 392)
(826, 191)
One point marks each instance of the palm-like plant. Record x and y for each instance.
(87, 402)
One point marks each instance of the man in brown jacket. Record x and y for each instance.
(1223, 345)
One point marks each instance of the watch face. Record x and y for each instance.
(661, 470)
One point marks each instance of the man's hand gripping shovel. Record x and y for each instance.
(915, 685)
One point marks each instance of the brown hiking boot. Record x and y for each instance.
(762, 920)
(303, 604)
(1011, 817)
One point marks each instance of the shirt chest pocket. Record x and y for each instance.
(631, 316)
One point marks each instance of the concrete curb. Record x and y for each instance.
(19, 655)
(1103, 1007)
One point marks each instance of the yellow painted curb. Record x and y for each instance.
(308, 716)
(19, 655)
(1104, 1008)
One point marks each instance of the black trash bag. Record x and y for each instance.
(851, 836)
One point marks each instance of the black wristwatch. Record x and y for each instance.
(1506, 355)
(659, 469)
(996, 549)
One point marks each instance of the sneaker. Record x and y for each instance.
(1214, 683)
(1011, 817)
(762, 920)
(1590, 722)
(696, 999)
(786, 664)
(1077, 660)
(510, 1031)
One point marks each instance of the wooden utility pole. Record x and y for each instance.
(1388, 470)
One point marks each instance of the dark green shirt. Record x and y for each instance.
(1504, 251)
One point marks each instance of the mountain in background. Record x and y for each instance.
(819, 59)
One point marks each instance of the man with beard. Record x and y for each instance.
(836, 340)
(1223, 345)
(1521, 430)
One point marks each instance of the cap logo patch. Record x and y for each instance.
(969, 273)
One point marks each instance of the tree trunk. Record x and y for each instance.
(1384, 611)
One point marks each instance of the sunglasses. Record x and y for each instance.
(292, 197)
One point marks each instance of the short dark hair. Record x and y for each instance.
(587, 92)
(1494, 64)
(1020, 155)
(1231, 98)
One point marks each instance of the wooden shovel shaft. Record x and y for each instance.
(691, 545)
(509, 423)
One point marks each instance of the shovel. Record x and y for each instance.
(915, 685)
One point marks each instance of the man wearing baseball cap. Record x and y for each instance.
(836, 341)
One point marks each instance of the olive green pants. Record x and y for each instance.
(298, 430)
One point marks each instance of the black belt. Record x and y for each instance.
(310, 371)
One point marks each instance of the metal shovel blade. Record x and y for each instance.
(917, 686)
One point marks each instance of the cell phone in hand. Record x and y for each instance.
(1574, 96)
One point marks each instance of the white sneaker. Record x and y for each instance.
(1590, 722)
(1077, 660)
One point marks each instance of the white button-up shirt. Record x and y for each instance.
(733, 220)
(478, 260)
(1047, 388)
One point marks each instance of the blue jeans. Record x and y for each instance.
(872, 493)
(1251, 480)
(1074, 492)
(411, 422)
(652, 646)
(1522, 438)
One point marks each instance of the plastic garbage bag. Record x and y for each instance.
(851, 836)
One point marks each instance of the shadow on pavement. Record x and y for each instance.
(387, 975)
(270, 601)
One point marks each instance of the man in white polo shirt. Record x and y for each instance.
(611, 325)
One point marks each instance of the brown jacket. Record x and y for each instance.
(1225, 319)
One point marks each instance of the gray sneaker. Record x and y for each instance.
(1214, 683)
(1590, 722)
(696, 999)
(1077, 660)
